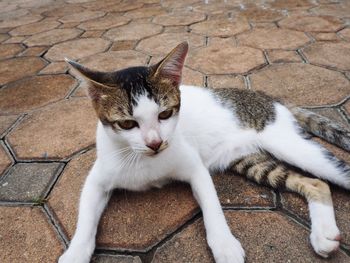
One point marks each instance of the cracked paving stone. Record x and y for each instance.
(226, 81)
(77, 49)
(115, 60)
(278, 38)
(132, 220)
(334, 55)
(283, 56)
(52, 37)
(10, 50)
(81, 16)
(106, 22)
(34, 28)
(71, 123)
(6, 122)
(19, 21)
(220, 27)
(179, 18)
(115, 259)
(288, 242)
(301, 84)
(17, 68)
(27, 236)
(155, 45)
(28, 182)
(31, 93)
(5, 160)
(225, 58)
(133, 31)
(312, 23)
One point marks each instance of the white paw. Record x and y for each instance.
(325, 241)
(226, 249)
(76, 254)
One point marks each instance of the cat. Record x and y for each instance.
(152, 130)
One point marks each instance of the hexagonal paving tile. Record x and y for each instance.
(155, 45)
(19, 232)
(220, 27)
(329, 54)
(17, 68)
(224, 57)
(260, 243)
(59, 130)
(52, 37)
(28, 181)
(259, 15)
(76, 49)
(6, 122)
(179, 18)
(291, 4)
(115, 259)
(132, 220)
(81, 16)
(4, 37)
(283, 56)
(325, 36)
(115, 60)
(301, 84)
(121, 7)
(10, 50)
(33, 51)
(5, 160)
(226, 81)
(133, 31)
(146, 12)
(28, 94)
(55, 68)
(34, 28)
(312, 23)
(278, 38)
(345, 33)
(63, 10)
(338, 10)
(106, 22)
(19, 21)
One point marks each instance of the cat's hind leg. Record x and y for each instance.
(283, 139)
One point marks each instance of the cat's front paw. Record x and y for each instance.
(325, 242)
(226, 249)
(75, 254)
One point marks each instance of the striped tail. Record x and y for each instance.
(323, 127)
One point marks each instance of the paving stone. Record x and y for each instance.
(5, 160)
(28, 94)
(59, 130)
(81, 16)
(263, 25)
(7, 7)
(226, 81)
(115, 259)
(278, 38)
(28, 181)
(19, 21)
(146, 12)
(291, 4)
(33, 51)
(106, 22)
(133, 31)
(225, 58)
(115, 60)
(132, 220)
(214, 7)
(178, 3)
(155, 45)
(179, 18)
(325, 36)
(9, 50)
(333, 115)
(220, 28)
(332, 10)
(12, 40)
(283, 56)
(97, 5)
(11, 14)
(347, 107)
(17, 68)
(260, 243)
(301, 84)
(21, 241)
(191, 77)
(55, 68)
(175, 29)
(34, 28)
(259, 14)
(69, 25)
(312, 23)
(329, 54)
(122, 7)
(52, 37)
(123, 45)
(93, 33)
(6, 122)
(4, 37)
(345, 33)
(76, 49)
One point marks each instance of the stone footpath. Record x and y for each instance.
(298, 50)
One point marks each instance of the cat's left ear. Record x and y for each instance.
(171, 66)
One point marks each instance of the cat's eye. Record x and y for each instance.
(165, 114)
(127, 124)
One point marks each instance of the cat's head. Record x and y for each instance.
(138, 106)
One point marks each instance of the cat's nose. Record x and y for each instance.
(155, 145)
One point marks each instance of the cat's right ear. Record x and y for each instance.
(94, 79)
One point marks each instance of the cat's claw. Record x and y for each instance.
(325, 242)
(227, 250)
